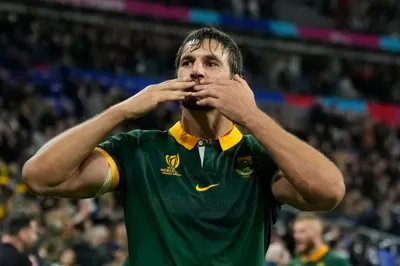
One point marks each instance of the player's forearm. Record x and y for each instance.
(57, 160)
(313, 175)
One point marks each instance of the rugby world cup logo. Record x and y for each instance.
(173, 160)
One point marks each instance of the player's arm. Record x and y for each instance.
(285, 193)
(306, 171)
(69, 166)
(308, 180)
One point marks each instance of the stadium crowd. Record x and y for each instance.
(91, 232)
(32, 42)
(372, 16)
(365, 16)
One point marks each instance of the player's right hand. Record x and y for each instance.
(148, 98)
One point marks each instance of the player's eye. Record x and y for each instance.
(186, 63)
(212, 64)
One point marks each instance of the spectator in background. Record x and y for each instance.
(68, 258)
(310, 246)
(20, 236)
(119, 254)
(277, 255)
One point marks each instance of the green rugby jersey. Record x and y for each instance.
(189, 203)
(321, 257)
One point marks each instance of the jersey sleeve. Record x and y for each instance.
(114, 149)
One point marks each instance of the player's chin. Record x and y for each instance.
(304, 248)
(301, 248)
(191, 104)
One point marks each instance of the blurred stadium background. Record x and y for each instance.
(327, 70)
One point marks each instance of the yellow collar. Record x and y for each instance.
(317, 255)
(188, 141)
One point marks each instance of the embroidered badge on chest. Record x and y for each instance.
(244, 166)
(173, 162)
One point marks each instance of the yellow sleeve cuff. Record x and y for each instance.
(113, 166)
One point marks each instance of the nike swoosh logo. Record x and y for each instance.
(202, 189)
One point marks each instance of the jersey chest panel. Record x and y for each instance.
(174, 184)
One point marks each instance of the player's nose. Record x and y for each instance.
(198, 71)
(196, 76)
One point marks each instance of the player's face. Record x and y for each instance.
(208, 61)
(29, 235)
(303, 236)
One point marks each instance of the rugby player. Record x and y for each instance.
(310, 246)
(200, 193)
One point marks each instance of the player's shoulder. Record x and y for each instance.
(250, 143)
(250, 140)
(146, 134)
(295, 262)
(140, 136)
(334, 256)
(134, 138)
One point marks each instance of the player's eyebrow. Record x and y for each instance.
(187, 58)
(212, 57)
(209, 57)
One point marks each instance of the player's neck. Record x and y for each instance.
(205, 124)
(13, 241)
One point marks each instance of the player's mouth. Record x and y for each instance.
(191, 89)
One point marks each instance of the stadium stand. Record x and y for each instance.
(59, 70)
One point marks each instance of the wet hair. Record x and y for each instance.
(198, 37)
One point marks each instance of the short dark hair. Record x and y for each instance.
(228, 45)
(15, 222)
(308, 216)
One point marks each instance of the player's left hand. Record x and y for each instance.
(233, 98)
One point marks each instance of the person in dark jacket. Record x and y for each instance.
(20, 236)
